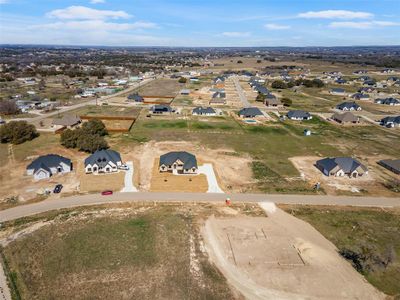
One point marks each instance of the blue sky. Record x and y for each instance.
(201, 22)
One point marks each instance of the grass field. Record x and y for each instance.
(369, 237)
(161, 88)
(106, 110)
(140, 253)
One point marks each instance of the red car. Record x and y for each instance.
(106, 193)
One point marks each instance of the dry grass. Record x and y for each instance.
(167, 182)
(97, 183)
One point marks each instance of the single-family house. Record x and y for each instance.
(366, 89)
(349, 106)
(103, 161)
(272, 101)
(341, 81)
(338, 91)
(204, 111)
(135, 97)
(48, 165)
(161, 109)
(345, 118)
(299, 115)
(250, 112)
(68, 121)
(391, 164)
(391, 121)
(180, 162)
(388, 101)
(360, 96)
(341, 166)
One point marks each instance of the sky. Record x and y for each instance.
(201, 23)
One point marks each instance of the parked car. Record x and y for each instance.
(124, 167)
(107, 193)
(57, 188)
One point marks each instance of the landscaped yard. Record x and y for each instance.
(369, 238)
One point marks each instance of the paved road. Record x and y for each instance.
(240, 92)
(74, 201)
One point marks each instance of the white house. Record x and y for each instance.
(48, 165)
(103, 161)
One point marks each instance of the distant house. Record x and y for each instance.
(369, 83)
(391, 164)
(272, 101)
(307, 132)
(219, 94)
(178, 163)
(358, 72)
(345, 118)
(68, 121)
(299, 115)
(48, 165)
(341, 81)
(204, 111)
(103, 161)
(366, 90)
(341, 166)
(390, 122)
(218, 97)
(388, 101)
(349, 106)
(250, 112)
(161, 109)
(338, 92)
(135, 97)
(360, 96)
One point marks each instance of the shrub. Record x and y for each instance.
(17, 132)
(8, 107)
(286, 101)
(182, 80)
(279, 84)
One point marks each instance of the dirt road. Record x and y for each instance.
(240, 92)
(92, 199)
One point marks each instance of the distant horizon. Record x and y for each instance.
(216, 24)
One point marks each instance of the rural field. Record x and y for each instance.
(125, 252)
(368, 238)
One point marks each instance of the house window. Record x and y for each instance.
(89, 169)
(59, 169)
(94, 169)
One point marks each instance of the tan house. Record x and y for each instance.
(346, 118)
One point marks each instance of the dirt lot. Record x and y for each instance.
(281, 257)
(333, 185)
(232, 171)
(161, 182)
(114, 252)
(161, 88)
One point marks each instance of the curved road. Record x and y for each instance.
(92, 199)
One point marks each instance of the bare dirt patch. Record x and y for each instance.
(233, 171)
(333, 185)
(281, 257)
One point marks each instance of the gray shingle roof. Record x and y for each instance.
(102, 157)
(298, 114)
(67, 120)
(188, 159)
(250, 112)
(48, 161)
(135, 97)
(203, 110)
(348, 105)
(161, 108)
(347, 164)
(345, 117)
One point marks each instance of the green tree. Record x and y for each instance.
(182, 80)
(278, 84)
(91, 142)
(69, 138)
(95, 126)
(286, 101)
(8, 107)
(17, 132)
(318, 83)
(260, 97)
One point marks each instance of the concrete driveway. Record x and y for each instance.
(213, 187)
(129, 187)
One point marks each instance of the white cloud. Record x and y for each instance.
(362, 25)
(86, 13)
(336, 14)
(3, 1)
(97, 25)
(235, 34)
(271, 26)
(97, 1)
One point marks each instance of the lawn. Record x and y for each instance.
(142, 253)
(369, 238)
(106, 110)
